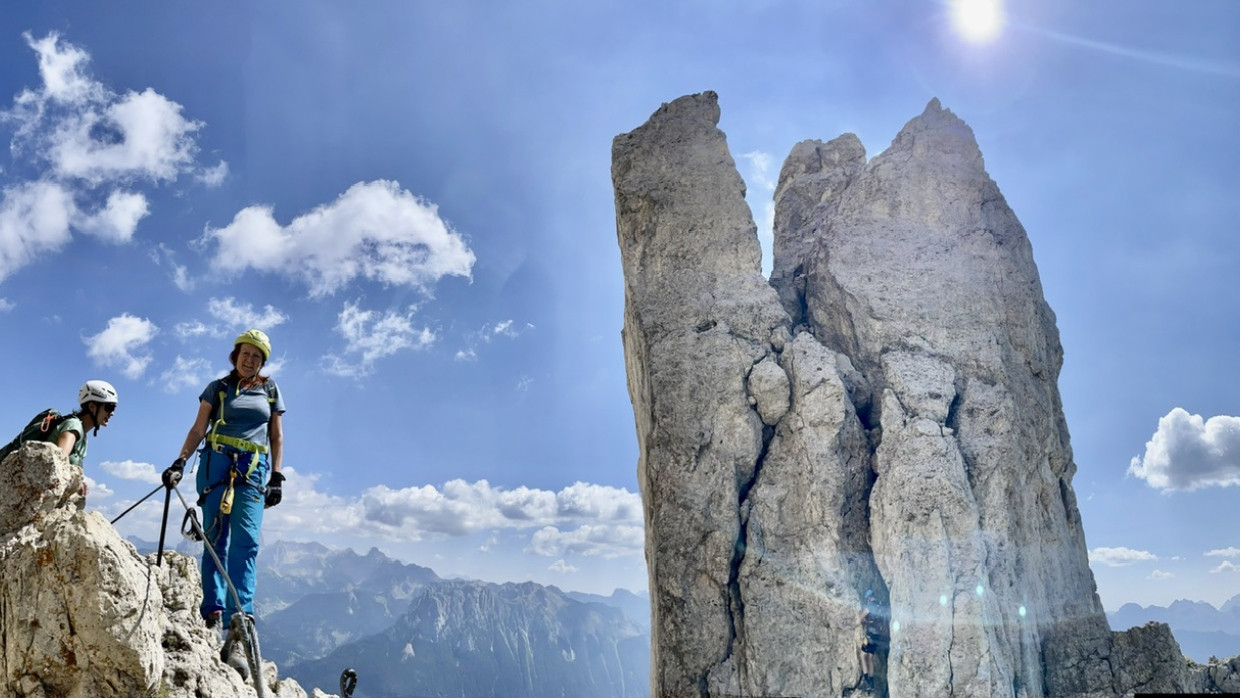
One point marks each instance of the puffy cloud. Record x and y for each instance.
(62, 67)
(136, 135)
(1189, 453)
(118, 219)
(370, 336)
(609, 541)
(132, 470)
(583, 519)
(1160, 575)
(120, 344)
(562, 567)
(582, 501)
(186, 373)
(1225, 566)
(598, 520)
(6, 305)
(1224, 552)
(34, 218)
(88, 145)
(231, 317)
(194, 328)
(242, 315)
(1119, 557)
(37, 217)
(375, 231)
(213, 176)
(87, 132)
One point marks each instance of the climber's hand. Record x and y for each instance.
(172, 475)
(273, 494)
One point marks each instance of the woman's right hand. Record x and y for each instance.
(172, 474)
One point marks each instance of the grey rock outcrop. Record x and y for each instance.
(883, 414)
(83, 615)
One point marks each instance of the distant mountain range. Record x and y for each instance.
(463, 638)
(1202, 630)
(409, 633)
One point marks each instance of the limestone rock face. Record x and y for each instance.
(700, 317)
(82, 615)
(884, 415)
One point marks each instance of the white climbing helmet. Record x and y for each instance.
(97, 391)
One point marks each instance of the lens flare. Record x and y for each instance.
(977, 20)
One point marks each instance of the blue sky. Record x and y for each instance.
(414, 200)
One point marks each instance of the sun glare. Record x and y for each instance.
(977, 20)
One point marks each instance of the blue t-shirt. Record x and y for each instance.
(246, 412)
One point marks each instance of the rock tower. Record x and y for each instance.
(882, 414)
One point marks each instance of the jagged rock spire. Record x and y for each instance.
(889, 420)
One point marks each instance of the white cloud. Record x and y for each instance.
(1160, 575)
(97, 490)
(1225, 566)
(1119, 557)
(61, 67)
(119, 218)
(231, 317)
(506, 329)
(370, 336)
(213, 176)
(89, 133)
(180, 277)
(562, 567)
(34, 218)
(760, 169)
(132, 470)
(135, 135)
(601, 520)
(524, 383)
(194, 328)
(375, 231)
(242, 315)
(1224, 552)
(273, 366)
(87, 144)
(761, 189)
(583, 519)
(186, 373)
(180, 273)
(120, 344)
(609, 541)
(1189, 453)
(6, 305)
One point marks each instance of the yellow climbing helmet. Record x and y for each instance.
(256, 338)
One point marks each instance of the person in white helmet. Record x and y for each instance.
(240, 416)
(96, 404)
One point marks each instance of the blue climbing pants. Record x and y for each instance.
(233, 536)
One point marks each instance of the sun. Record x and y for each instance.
(977, 20)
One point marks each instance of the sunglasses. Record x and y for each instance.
(109, 407)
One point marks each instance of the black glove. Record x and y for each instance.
(272, 495)
(172, 476)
